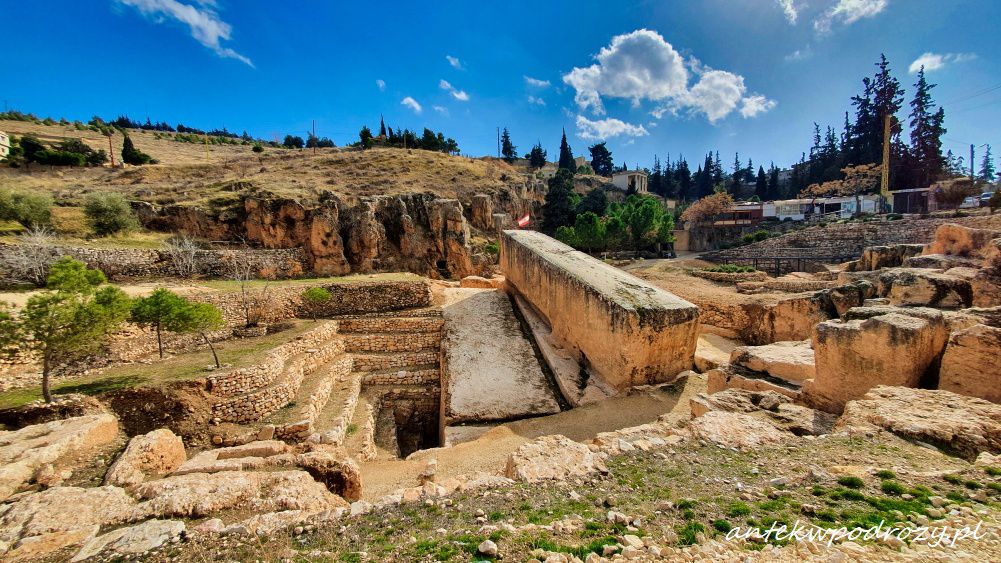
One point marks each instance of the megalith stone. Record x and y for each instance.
(971, 364)
(552, 457)
(792, 361)
(856, 355)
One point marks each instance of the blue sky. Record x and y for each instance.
(649, 77)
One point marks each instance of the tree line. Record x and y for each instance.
(405, 138)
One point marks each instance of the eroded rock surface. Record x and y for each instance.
(737, 430)
(971, 364)
(792, 361)
(154, 454)
(552, 457)
(965, 426)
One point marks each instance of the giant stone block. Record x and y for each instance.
(621, 328)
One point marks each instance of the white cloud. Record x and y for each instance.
(440, 109)
(381, 84)
(934, 61)
(537, 83)
(412, 104)
(849, 12)
(799, 55)
(643, 66)
(790, 10)
(536, 100)
(460, 95)
(604, 128)
(754, 104)
(203, 24)
(637, 66)
(454, 61)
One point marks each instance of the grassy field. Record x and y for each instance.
(238, 352)
(196, 175)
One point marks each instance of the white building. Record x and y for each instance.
(4, 145)
(636, 179)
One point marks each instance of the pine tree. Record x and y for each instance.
(987, 166)
(761, 185)
(132, 155)
(601, 159)
(508, 150)
(537, 157)
(683, 177)
(773, 183)
(382, 127)
(657, 177)
(736, 180)
(566, 155)
(926, 134)
(558, 209)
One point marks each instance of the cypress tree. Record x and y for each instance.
(566, 155)
(761, 185)
(926, 134)
(508, 150)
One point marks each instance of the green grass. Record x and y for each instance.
(885, 474)
(851, 482)
(993, 471)
(892, 488)
(738, 508)
(239, 352)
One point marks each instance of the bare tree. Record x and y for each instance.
(858, 180)
(243, 269)
(30, 258)
(184, 255)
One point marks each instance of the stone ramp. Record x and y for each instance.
(489, 369)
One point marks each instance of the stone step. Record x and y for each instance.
(372, 325)
(402, 313)
(331, 424)
(427, 374)
(376, 361)
(298, 422)
(360, 439)
(738, 377)
(393, 342)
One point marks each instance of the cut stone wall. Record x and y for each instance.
(625, 330)
(373, 362)
(848, 239)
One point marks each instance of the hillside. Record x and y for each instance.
(192, 173)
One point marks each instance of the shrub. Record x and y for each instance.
(257, 148)
(886, 474)
(315, 298)
(29, 209)
(892, 488)
(760, 235)
(730, 269)
(109, 213)
(851, 482)
(60, 158)
(492, 248)
(134, 156)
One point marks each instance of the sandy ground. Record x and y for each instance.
(492, 371)
(489, 452)
(672, 275)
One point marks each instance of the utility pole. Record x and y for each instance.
(498, 142)
(971, 162)
(884, 184)
(111, 151)
(314, 137)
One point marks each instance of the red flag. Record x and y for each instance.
(523, 221)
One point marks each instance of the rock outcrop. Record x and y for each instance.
(131, 541)
(155, 454)
(23, 452)
(737, 430)
(792, 361)
(965, 426)
(958, 240)
(552, 457)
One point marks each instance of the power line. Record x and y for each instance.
(974, 95)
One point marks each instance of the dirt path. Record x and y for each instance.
(489, 452)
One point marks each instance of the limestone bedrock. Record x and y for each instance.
(624, 329)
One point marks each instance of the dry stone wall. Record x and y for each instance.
(623, 329)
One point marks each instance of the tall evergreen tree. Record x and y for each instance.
(683, 178)
(601, 159)
(761, 185)
(508, 150)
(656, 184)
(987, 166)
(773, 183)
(736, 180)
(566, 155)
(927, 129)
(558, 209)
(382, 127)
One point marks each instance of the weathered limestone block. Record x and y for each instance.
(986, 288)
(941, 261)
(928, 288)
(878, 257)
(61, 509)
(481, 212)
(626, 330)
(792, 361)
(155, 454)
(961, 425)
(450, 233)
(131, 541)
(737, 430)
(552, 457)
(24, 451)
(958, 240)
(971, 364)
(789, 319)
(850, 295)
(34, 548)
(339, 473)
(738, 377)
(479, 282)
(767, 405)
(713, 351)
(856, 355)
